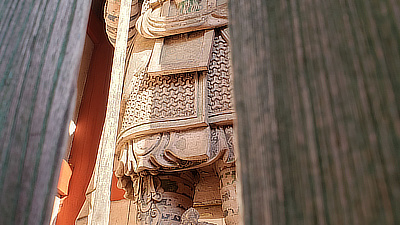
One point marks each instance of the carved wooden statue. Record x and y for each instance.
(176, 113)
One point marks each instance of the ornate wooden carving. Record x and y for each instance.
(177, 111)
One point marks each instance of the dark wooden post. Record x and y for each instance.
(317, 88)
(41, 44)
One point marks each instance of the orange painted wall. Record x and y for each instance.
(89, 124)
(116, 193)
(64, 178)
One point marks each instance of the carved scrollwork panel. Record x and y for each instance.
(161, 97)
(219, 83)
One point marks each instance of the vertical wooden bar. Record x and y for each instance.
(100, 213)
(41, 45)
(317, 91)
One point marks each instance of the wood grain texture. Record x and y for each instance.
(100, 212)
(41, 44)
(317, 91)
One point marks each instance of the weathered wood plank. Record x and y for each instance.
(40, 51)
(317, 91)
(100, 213)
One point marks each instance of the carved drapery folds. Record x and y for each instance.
(161, 18)
(166, 18)
(172, 151)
